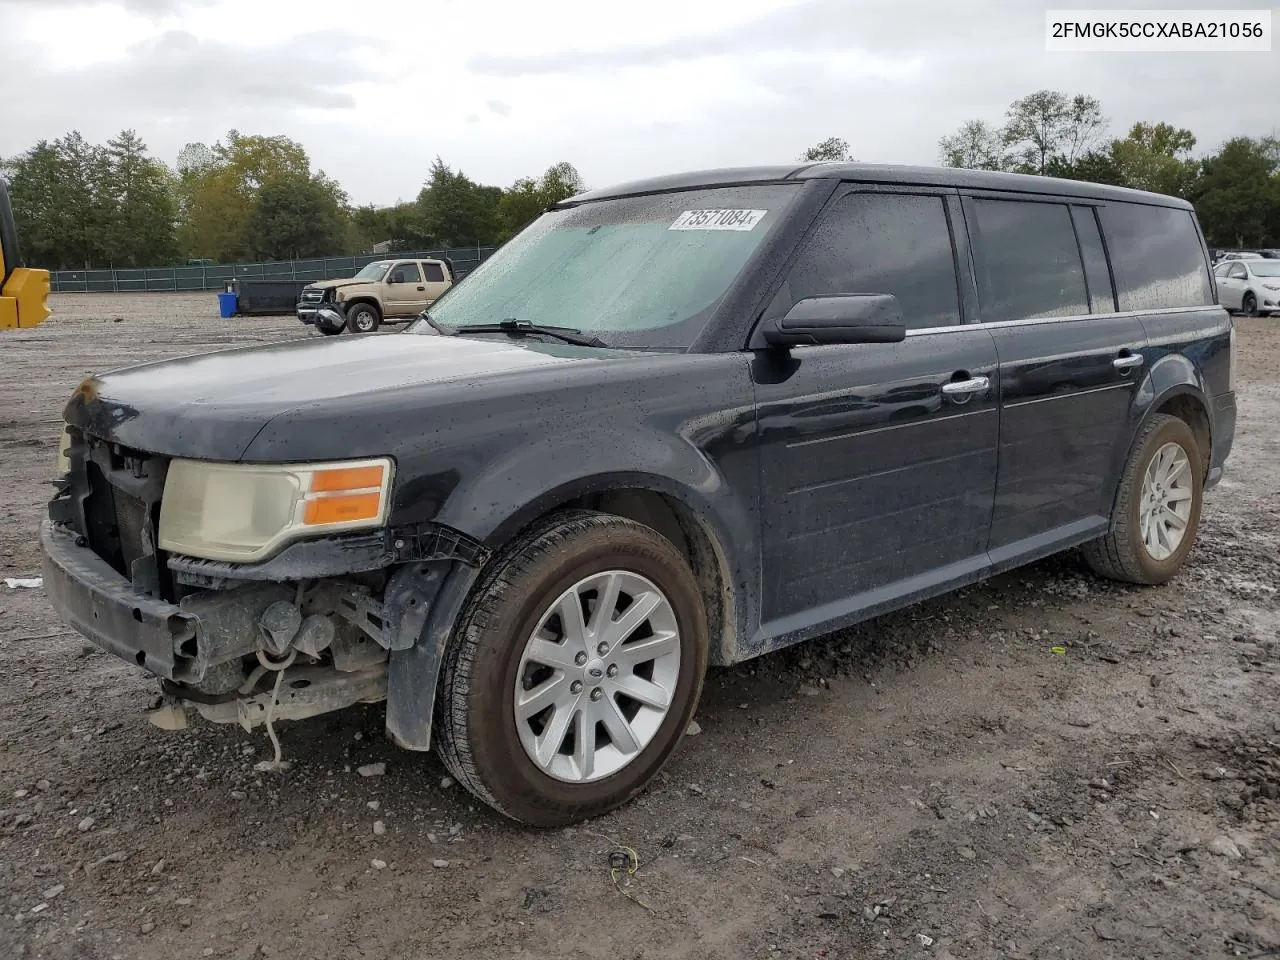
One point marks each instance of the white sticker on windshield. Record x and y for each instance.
(718, 220)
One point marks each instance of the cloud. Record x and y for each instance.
(835, 27)
(500, 107)
(145, 7)
(179, 73)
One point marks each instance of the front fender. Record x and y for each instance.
(494, 505)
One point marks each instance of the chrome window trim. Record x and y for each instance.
(1036, 321)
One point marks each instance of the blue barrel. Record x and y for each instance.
(226, 305)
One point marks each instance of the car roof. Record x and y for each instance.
(877, 173)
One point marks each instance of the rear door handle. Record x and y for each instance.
(965, 388)
(1127, 362)
(422, 288)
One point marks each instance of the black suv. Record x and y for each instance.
(681, 422)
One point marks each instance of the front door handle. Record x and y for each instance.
(1127, 362)
(421, 288)
(965, 388)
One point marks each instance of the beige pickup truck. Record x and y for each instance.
(385, 291)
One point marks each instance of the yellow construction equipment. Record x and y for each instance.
(24, 291)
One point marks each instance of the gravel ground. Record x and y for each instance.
(1046, 765)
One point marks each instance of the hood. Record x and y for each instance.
(334, 284)
(211, 406)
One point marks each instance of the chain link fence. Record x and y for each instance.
(194, 278)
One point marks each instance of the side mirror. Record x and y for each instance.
(854, 318)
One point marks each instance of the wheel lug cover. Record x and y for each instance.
(575, 687)
(602, 649)
(597, 693)
(580, 659)
(613, 670)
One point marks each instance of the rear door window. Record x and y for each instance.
(1029, 264)
(434, 272)
(898, 244)
(1157, 257)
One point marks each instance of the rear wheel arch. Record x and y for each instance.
(1172, 388)
(1191, 408)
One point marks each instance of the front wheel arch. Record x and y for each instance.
(676, 515)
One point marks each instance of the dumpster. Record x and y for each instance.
(226, 305)
(267, 296)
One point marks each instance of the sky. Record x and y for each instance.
(503, 89)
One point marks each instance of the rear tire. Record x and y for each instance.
(363, 318)
(528, 765)
(1152, 532)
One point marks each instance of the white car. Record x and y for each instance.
(1249, 286)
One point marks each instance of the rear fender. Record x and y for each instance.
(1173, 375)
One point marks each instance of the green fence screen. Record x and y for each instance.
(170, 279)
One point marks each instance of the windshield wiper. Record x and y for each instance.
(519, 327)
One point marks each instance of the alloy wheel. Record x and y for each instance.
(1165, 509)
(597, 676)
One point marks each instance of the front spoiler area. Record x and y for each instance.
(103, 606)
(174, 642)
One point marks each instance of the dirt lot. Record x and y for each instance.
(1047, 765)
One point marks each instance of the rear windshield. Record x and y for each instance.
(642, 272)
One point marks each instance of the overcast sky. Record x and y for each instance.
(503, 89)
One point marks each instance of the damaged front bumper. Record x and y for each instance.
(219, 650)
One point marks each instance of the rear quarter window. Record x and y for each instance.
(1156, 257)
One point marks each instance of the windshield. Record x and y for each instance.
(641, 272)
(373, 271)
(1265, 268)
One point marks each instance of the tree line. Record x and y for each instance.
(80, 205)
(1236, 189)
(252, 197)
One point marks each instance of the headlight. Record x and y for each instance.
(244, 511)
(1272, 286)
(64, 452)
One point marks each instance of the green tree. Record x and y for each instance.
(456, 211)
(1096, 166)
(218, 187)
(60, 202)
(526, 199)
(297, 217)
(832, 148)
(1047, 124)
(142, 209)
(975, 146)
(1237, 196)
(1156, 157)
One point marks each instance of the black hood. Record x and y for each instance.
(211, 406)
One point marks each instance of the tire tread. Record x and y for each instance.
(452, 735)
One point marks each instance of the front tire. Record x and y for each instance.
(1249, 305)
(1157, 510)
(573, 671)
(363, 318)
